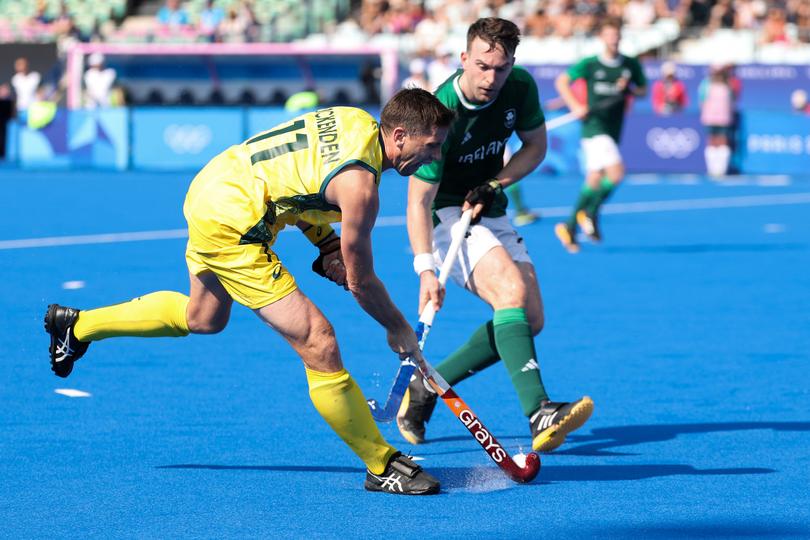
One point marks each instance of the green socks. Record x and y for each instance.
(508, 337)
(585, 200)
(514, 194)
(477, 354)
(606, 188)
(591, 199)
(513, 337)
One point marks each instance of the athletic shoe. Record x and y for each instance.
(589, 225)
(525, 217)
(553, 421)
(65, 349)
(402, 477)
(416, 408)
(567, 236)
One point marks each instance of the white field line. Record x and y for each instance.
(746, 201)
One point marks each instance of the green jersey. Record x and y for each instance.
(472, 154)
(601, 75)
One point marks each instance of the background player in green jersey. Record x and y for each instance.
(610, 77)
(491, 100)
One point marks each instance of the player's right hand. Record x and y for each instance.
(580, 110)
(430, 290)
(403, 341)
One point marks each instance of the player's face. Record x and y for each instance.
(417, 150)
(485, 70)
(611, 37)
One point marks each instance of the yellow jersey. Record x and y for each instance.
(297, 160)
(279, 176)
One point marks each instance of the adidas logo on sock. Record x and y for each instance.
(530, 365)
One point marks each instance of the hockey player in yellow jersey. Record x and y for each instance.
(319, 168)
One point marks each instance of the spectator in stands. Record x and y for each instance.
(441, 67)
(6, 113)
(402, 17)
(417, 78)
(172, 15)
(538, 24)
(717, 97)
(237, 26)
(25, 83)
(722, 15)
(639, 14)
(210, 18)
(774, 29)
(98, 83)
(802, 21)
(798, 100)
(373, 16)
(431, 30)
(668, 92)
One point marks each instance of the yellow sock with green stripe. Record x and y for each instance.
(513, 337)
(340, 402)
(159, 314)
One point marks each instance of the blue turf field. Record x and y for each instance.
(689, 327)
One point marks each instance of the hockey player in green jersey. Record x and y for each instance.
(610, 78)
(491, 99)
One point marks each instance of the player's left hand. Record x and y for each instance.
(334, 268)
(480, 199)
(329, 264)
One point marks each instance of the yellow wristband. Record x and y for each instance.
(318, 233)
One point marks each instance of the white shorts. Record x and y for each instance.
(481, 238)
(600, 152)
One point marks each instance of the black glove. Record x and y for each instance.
(484, 194)
(328, 246)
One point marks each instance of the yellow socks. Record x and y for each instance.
(159, 314)
(341, 403)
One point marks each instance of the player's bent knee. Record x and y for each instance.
(206, 325)
(320, 350)
(537, 324)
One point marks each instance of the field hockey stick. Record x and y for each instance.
(408, 366)
(569, 117)
(519, 473)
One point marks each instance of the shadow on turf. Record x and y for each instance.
(601, 440)
(490, 478)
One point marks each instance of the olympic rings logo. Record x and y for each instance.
(187, 138)
(672, 142)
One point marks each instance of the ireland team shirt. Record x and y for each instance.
(472, 154)
(605, 101)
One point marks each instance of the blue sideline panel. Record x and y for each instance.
(96, 139)
(182, 138)
(775, 143)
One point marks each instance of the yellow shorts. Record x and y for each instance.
(228, 236)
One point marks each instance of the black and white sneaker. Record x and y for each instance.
(402, 477)
(65, 349)
(416, 409)
(554, 420)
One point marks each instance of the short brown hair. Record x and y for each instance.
(416, 110)
(611, 22)
(495, 32)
